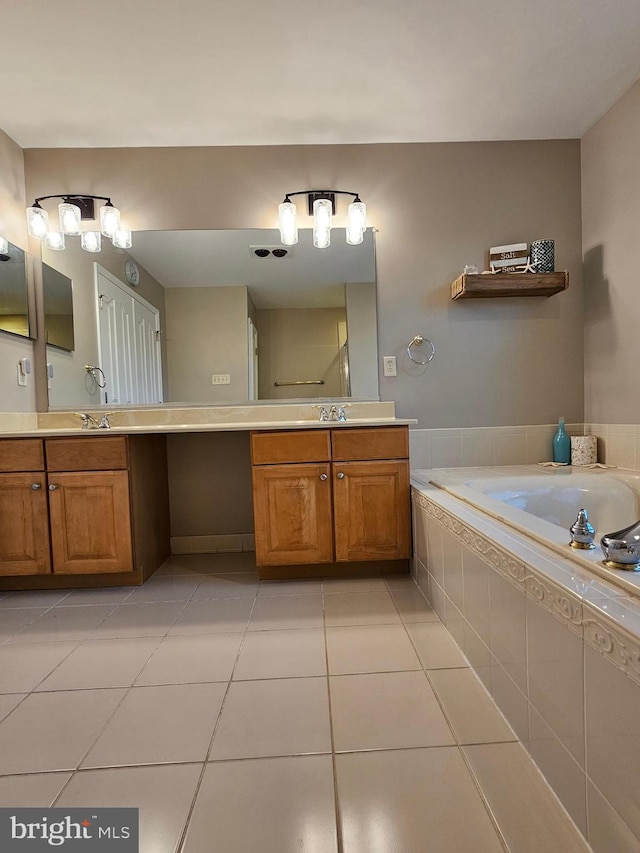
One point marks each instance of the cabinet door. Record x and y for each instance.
(292, 508)
(24, 528)
(371, 510)
(90, 522)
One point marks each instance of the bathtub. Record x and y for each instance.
(544, 503)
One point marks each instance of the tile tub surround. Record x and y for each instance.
(292, 712)
(558, 649)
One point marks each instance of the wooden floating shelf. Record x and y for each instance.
(479, 286)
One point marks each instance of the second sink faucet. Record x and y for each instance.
(89, 422)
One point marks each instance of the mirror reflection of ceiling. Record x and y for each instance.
(306, 278)
(283, 73)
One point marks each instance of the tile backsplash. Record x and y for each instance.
(618, 444)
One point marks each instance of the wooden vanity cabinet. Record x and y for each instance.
(95, 512)
(331, 498)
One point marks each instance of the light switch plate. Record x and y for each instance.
(221, 379)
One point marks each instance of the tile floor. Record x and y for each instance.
(248, 717)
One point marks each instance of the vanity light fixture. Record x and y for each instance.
(73, 209)
(321, 204)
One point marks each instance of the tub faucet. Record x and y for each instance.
(622, 549)
(582, 532)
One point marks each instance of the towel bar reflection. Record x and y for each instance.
(301, 382)
(418, 341)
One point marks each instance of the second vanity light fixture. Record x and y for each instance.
(321, 205)
(72, 210)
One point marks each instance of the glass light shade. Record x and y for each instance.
(37, 221)
(122, 239)
(70, 218)
(54, 240)
(287, 214)
(356, 222)
(4, 246)
(322, 214)
(91, 241)
(321, 238)
(109, 220)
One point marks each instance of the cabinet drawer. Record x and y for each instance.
(273, 448)
(86, 454)
(370, 443)
(21, 454)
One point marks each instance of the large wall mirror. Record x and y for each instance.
(14, 302)
(210, 317)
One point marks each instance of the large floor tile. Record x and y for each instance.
(360, 608)
(12, 621)
(64, 624)
(412, 801)
(163, 795)
(202, 564)
(386, 711)
(157, 725)
(213, 617)
(191, 659)
(282, 654)
(33, 598)
(370, 648)
(240, 585)
(470, 710)
(277, 717)
(413, 606)
(23, 666)
(139, 620)
(8, 702)
(270, 805)
(32, 790)
(435, 646)
(101, 663)
(52, 731)
(100, 595)
(330, 585)
(525, 809)
(403, 582)
(179, 588)
(306, 586)
(286, 611)
(607, 832)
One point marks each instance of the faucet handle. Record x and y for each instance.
(324, 414)
(86, 419)
(104, 420)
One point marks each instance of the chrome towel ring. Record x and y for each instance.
(419, 341)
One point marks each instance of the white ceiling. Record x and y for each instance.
(249, 72)
(306, 278)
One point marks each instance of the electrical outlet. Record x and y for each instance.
(22, 378)
(389, 362)
(221, 379)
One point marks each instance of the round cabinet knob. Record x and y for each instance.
(341, 476)
(35, 487)
(323, 477)
(52, 487)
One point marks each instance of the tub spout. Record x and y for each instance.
(582, 532)
(622, 549)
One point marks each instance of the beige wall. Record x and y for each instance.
(298, 344)
(610, 235)
(207, 334)
(71, 386)
(360, 298)
(437, 207)
(13, 228)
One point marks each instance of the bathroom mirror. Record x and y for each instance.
(218, 317)
(58, 308)
(14, 301)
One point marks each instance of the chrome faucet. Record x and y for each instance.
(621, 549)
(104, 421)
(582, 532)
(324, 414)
(87, 420)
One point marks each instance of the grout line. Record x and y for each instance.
(334, 767)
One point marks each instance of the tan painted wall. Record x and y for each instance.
(360, 300)
(13, 228)
(206, 334)
(298, 344)
(437, 207)
(610, 235)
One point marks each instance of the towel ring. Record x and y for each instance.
(418, 341)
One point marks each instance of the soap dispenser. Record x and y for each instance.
(561, 445)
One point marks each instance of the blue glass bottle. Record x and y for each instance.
(561, 444)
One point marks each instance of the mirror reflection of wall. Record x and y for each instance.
(311, 315)
(14, 310)
(58, 308)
